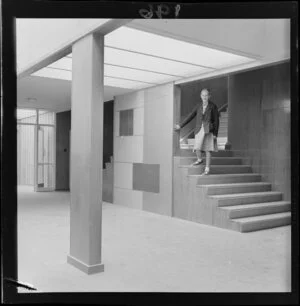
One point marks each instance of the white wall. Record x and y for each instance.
(128, 150)
(158, 145)
(151, 144)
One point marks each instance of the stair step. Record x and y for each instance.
(191, 141)
(234, 188)
(250, 210)
(220, 153)
(214, 160)
(223, 121)
(219, 169)
(227, 178)
(247, 198)
(250, 224)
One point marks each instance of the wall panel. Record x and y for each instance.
(128, 149)
(129, 198)
(123, 175)
(190, 93)
(259, 122)
(158, 145)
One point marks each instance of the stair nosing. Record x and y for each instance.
(235, 184)
(253, 205)
(260, 217)
(213, 157)
(241, 195)
(214, 166)
(227, 175)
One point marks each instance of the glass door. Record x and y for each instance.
(45, 157)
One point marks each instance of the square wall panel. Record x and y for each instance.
(128, 149)
(145, 177)
(123, 175)
(128, 198)
(126, 122)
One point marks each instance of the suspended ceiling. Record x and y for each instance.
(146, 53)
(135, 59)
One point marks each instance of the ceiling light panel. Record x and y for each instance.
(150, 63)
(114, 82)
(120, 72)
(152, 44)
(108, 81)
(139, 75)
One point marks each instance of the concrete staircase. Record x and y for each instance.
(231, 197)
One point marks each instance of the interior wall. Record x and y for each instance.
(158, 146)
(190, 93)
(143, 161)
(63, 127)
(259, 122)
(128, 150)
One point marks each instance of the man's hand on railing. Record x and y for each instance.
(177, 127)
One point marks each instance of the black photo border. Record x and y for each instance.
(12, 9)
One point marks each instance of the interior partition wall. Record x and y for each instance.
(36, 148)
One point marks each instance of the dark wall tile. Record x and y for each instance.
(145, 177)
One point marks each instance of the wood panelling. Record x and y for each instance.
(63, 126)
(158, 145)
(190, 93)
(259, 122)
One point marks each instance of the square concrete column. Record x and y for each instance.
(86, 154)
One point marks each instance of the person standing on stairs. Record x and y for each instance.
(206, 129)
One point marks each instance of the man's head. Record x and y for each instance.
(205, 95)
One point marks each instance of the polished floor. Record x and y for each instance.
(146, 252)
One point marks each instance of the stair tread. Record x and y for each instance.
(254, 205)
(213, 157)
(226, 175)
(236, 184)
(263, 217)
(215, 166)
(241, 195)
(219, 150)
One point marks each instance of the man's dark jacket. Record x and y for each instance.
(210, 118)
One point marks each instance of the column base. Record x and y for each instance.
(83, 267)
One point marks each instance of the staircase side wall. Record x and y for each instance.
(259, 122)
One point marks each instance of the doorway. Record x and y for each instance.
(36, 149)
